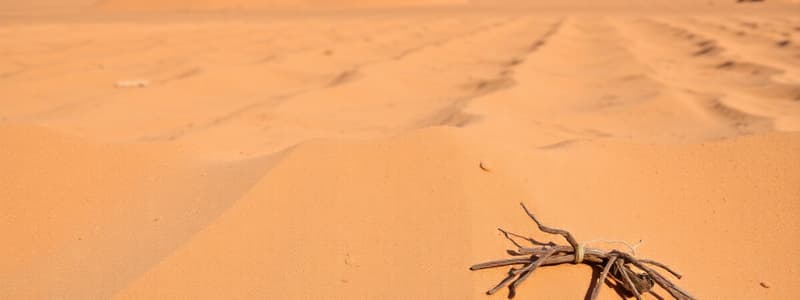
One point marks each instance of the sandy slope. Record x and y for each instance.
(336, 154)
(87, 217)
(428, 211)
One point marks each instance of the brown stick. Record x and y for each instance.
(663, 266)
(512, 289)
(500, 263)
(568, 236)
(506, 234)
(599, 283)
(543, 250)
(512, 273)
(528, 239)
(673, 290)
(655, 295)
(552, 254)
(628, 281)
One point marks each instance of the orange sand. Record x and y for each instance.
(332, 149)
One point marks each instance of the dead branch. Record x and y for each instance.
(616, 265)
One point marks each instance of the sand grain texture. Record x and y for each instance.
(369, 149)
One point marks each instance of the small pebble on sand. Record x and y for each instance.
(485, 166)
(765, 285)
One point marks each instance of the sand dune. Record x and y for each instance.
(153, 5)
(429, 210)
(87, 217)
(273, 154)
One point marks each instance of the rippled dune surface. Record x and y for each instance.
(310, 149)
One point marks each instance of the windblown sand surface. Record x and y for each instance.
(332, 150)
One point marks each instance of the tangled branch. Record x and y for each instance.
(636, 276)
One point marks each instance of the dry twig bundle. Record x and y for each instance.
(634, 275)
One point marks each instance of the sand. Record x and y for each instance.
(348, 149)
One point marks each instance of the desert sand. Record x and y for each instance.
(349, 149)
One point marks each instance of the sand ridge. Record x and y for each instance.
(275, 154)
(150, 5)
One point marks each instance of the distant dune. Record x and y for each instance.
(45, 6)
(155, 5)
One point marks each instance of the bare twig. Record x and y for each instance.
(568, 236)
(508, 237)
(660, 265)
(616, 264)
(500, 263)
(599, 283)
(527, 271)
(512, 273)
(628, 282)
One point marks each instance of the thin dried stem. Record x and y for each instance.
(528, 239)
(542, 251)
(506, 234)
(663, 266)
(599, 283)
(500, 263)
(627, 278)
(673, 290)
(568, 236)
(512, 273)
(512, 289)
(637, 282)
(655, 295)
